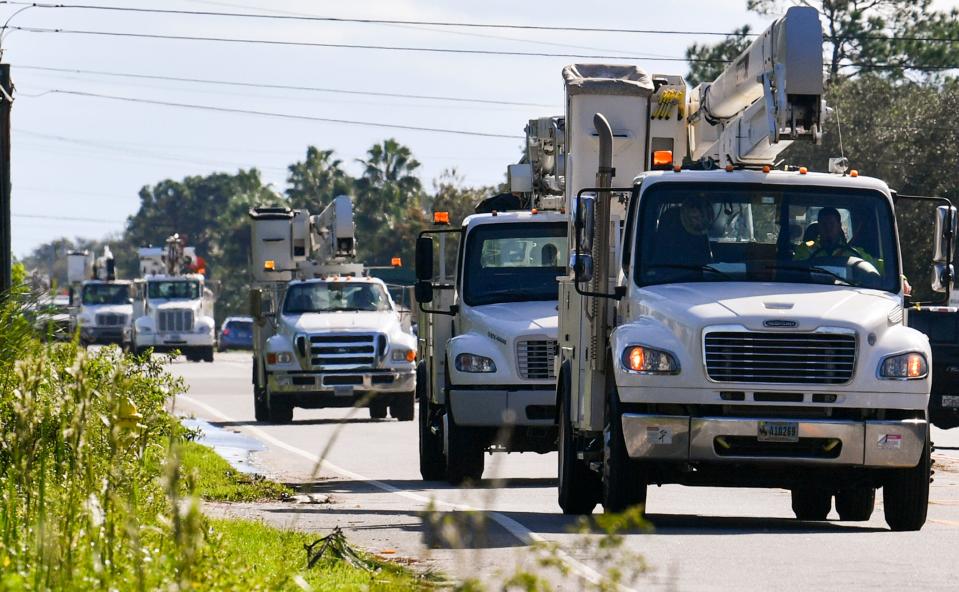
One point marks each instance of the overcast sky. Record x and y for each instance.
(85, 158)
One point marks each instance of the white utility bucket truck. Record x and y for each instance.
(173, 305)
(325, 334)
(741, 326)
(487, 322)
(102, 304)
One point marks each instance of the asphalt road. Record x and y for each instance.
(702, 538)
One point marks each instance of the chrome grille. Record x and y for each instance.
(535, 357)
(111, 319)
(345, 351)
(175, 320)
(793, 358)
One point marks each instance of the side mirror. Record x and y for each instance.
(585, 222)
(424, 261)
(942, 275)
(945, 233)
(256, 304)
(424, 291)
(582, 266)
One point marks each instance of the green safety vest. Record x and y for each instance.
(810, 249)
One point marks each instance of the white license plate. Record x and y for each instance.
(343, 391)
(778, 431)
(950, 401)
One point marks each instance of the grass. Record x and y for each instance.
(218, 481)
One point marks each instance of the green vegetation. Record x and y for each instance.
(98, 490)
(217, 481)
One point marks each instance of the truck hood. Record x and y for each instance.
(695, 306)
(92, 309)
(347, 321)
(512, 319)
(175, 304)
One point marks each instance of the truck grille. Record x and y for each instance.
(535, 357)
(794, 358)
(110, 319)
(340, 352)
(175, 320)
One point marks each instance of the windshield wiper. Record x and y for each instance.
(708, 268)
(812, 268)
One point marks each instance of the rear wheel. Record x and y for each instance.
(905, 495)
(856, 504)
(811, 504)
(378, 408)
(578, 486)
(432, 460)
(623, 482)
(402, 405)
(464, 453)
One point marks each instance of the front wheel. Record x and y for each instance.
(811, 504)
(905, 494)
(261, 410)
(278, 410)
(206, 354)
(623, 482)
(464, 453)
(402, 406)
(378, 408)
(855, 504)
(432, 459)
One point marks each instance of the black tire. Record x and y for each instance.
(261, 410)
(579, 487)
(378, 408)
(278, 410)
(432, 459)
(624, 485)
(855, 504)
(464, 460)
(905, 495)
(207, 354)
(402, 406)
(811, 504)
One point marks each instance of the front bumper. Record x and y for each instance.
(95, 334)
(499, 405)
(167, 341)
(878, 444)
(342, 383)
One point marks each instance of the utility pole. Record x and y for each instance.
(6, 250)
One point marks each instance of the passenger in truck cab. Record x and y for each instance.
(830, 241)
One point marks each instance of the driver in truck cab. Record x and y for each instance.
(831, 241)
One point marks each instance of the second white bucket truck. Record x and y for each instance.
(325, 334)
(739, 327)
(103, 305)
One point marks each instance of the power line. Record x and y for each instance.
(68, 218)
(445, 50)
(461, 24)
(281, 115)
(280, 86)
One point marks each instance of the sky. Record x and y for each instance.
(78, 162)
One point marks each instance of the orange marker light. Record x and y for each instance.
(441, 218)
(677, 169)
(534, 211)
(662, 158)
(410, 356)
(396, 262)
(914, 366)
(637, 359)
(854, 173)
(269, 265)
(767, 168)
(729, 168)
(803, 170)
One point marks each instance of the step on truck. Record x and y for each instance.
(487, 296)
(741, 326)
(173, 304)
(102, 305)
(325, 334)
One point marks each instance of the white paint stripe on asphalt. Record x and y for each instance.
(525, 535)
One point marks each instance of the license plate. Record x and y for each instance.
(343, 391)
(778, 431)
(950, 401)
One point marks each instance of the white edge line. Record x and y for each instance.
(525, 535)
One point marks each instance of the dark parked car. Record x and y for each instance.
(236, 333)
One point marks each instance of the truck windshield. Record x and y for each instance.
(106, 294)
(174, 290)
(514, 262)
(335, 296)
(755, 233)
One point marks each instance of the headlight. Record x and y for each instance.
(403, 355)
(203, 329)
(646, 360)
(474, 363)
(145, 329)
(911, 366)
(279, 358)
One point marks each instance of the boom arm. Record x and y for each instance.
(770, 96)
